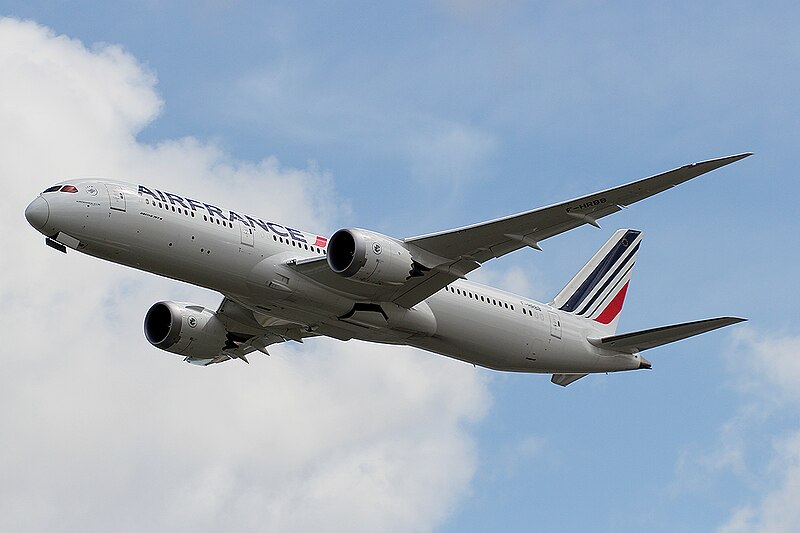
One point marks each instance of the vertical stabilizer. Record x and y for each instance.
(598, 290)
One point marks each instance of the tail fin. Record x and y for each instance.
(598, 290)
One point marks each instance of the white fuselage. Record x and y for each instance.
(245, 258)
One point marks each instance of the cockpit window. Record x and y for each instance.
(62, 188)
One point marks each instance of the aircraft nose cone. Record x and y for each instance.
(38, 212)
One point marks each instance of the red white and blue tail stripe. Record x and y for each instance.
(598, 291)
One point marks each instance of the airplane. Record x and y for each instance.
(280, 284)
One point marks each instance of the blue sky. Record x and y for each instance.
(416, 117)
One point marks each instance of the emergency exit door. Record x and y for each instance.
(555, 326)
(247, 233)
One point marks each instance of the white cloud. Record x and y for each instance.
(767, 367)
(102, 432)
(778, 510)
(449, 152)
(438, 149)
(772, 361)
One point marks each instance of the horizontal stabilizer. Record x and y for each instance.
(566, 379)
(650, 338)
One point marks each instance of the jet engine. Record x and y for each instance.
(371, 257)
(185, 329)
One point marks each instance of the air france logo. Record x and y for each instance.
(214, 211)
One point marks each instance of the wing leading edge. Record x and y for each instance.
(468, 247)
(452, 254)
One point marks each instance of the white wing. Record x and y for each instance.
(450, 255)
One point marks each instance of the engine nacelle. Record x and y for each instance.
(185, 329)
(370, 257)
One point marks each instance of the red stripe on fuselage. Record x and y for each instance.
(612, 310)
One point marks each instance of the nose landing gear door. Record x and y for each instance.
(116, 197)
